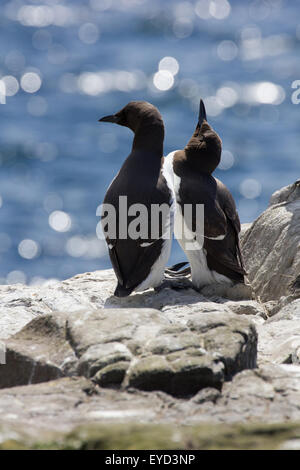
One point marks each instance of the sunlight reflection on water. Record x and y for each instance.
(65, 64)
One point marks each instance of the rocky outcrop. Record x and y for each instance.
(191, 359)
(82, 364)
(55, 409)
(271, 247)
(38, 353)
(92, 291)
(132, 348)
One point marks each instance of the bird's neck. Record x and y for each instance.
(200, 161)
(149, 138)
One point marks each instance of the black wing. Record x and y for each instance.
(132, 259)
(201, 189)
(224, 256)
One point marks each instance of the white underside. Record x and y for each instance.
(156, 274)
(201, 274)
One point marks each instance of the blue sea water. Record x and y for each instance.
(67, 63)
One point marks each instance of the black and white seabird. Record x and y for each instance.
(139, 263)
(189, 171)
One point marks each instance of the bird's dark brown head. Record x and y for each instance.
(205, 147)
(136, 114)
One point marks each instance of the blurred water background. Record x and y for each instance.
(66, 63)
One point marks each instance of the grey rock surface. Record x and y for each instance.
(125, 345)
(244, 229)
(61, 404)
(38, 353)
(270, 394)
(133, 347)
(271, 247)
(92, 291)
(288, 193)
(279, 337)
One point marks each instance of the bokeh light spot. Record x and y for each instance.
(269, 93)
(227, 96)
(170, 64)
(28, 249)
(90, 83)
(16, 277)
(227, 50)
(213, 106)
(39, 16)
(219, 9)
(88, 33)
(11, 85)
(100, 5)
(250, 188)
(227, 160)
(60, 221)
(76, 247)
(183, 27)
(31, 82)
(202, 8)
(15, 61)
(163, 80)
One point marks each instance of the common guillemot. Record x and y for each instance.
(214, 254)
(139, 263)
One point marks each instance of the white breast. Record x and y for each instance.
(168, 172)
(201, 274)
(157, 270)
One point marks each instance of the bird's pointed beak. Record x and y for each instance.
(202, 114)
(111, 118)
